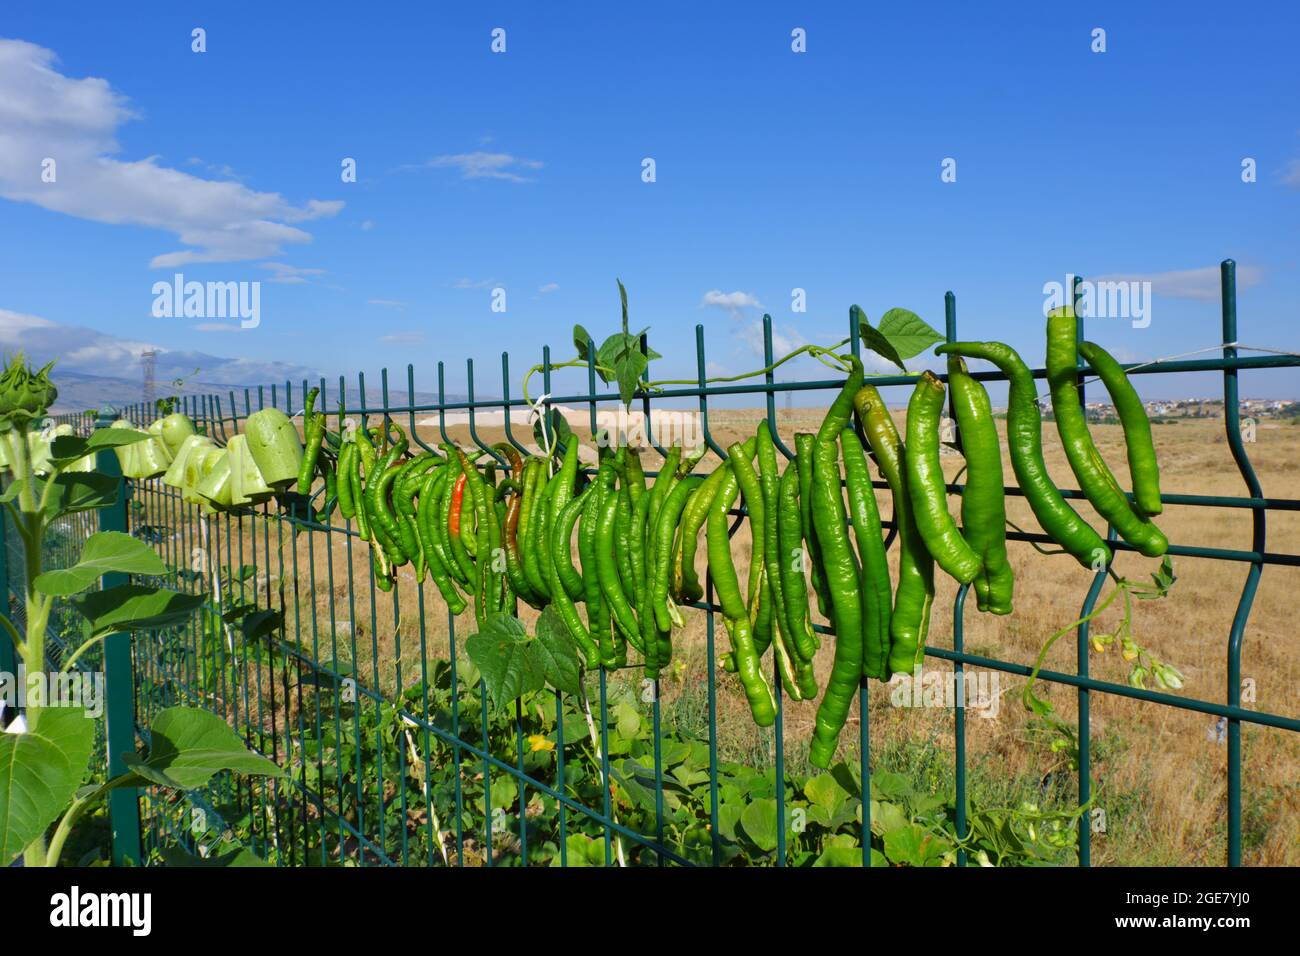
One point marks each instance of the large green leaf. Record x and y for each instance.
(40, 771)
(103, 552)
(557, 654)
(913, 846)
(238, 857)
(68, 448)
(823, 791)
(875, 340)
(581, 337)
(758, 820)
(505, 658)
(188, 746)
(73, 491)
(848, 856)
(907, 332)
(135, 607)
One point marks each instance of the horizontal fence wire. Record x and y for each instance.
(360, 726)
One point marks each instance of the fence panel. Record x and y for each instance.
(395, 756)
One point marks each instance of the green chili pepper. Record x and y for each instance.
(623, 539)
(910, 621)
(569, 577)
(983, 508)
(666, 613)
(607, 573)
(377, 486)
(641, 573)
(560, 548)
(331, 496)
(313, 429)
(358, 495)
(686, 580)
(926, 485)
(599, 615)
(1025, 446)
(427, 511)
(760, 607)
(347, 505)
(633, 474)
(843, 583)
(541, 532)
(1095, 478)
(769, 479)
(803, 445)
(791, 556)
(762, 704)
(663, 485)
(875, 589)
(536, 485)
(1144, 470)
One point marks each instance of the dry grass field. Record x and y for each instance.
(1160, 772)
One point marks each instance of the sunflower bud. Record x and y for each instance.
(24, 394)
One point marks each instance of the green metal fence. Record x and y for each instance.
(285, 687)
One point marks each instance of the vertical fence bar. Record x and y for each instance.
(1081, 642)
(958, 633)
(119, 683)
(1232, 426)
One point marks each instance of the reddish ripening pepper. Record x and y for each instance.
(457, 495)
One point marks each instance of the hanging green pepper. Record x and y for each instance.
(1025, 446)
(910, 622)
(983, 505)
(843, 583)
(1095, 479)
(762, 704)
(313, 428)
(1144, 470)
(875, 589)
(927, 487)
(803, 446)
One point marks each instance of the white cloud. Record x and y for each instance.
(481, 165)
(466, 283)
(391, 303)
(403, 338)
(1201, 284)
(549, 287)
(45, 114)
(292, 275)
(1291, 174)
(785, 339)
(732, 302)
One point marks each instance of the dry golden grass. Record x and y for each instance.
(1159, 761)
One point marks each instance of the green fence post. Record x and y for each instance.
(119, 685)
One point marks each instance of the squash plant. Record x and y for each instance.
(44, 760)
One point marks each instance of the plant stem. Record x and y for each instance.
(819, 352)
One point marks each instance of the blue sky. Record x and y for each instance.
(522, 170)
